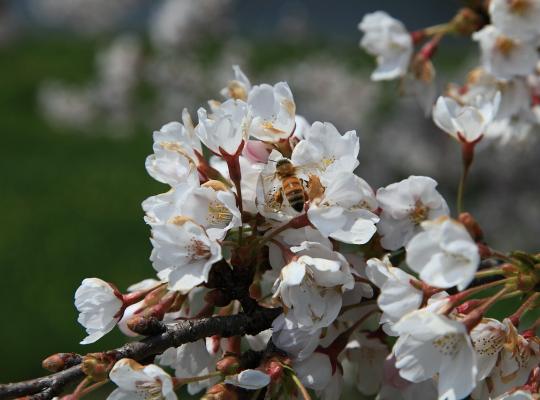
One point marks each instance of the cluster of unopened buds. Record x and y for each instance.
(384, 288)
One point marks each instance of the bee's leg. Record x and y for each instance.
(278, 196)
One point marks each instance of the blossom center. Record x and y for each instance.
(505, 45)
(327, 161)
(419, 213)
(237, 90)
(198, 250)
(519, 7)
(269, 126)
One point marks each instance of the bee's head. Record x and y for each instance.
(282, 162)
(284, 167)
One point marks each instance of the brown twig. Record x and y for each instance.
(47, 387)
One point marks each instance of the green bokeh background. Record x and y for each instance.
(71, 209)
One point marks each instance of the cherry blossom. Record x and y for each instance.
(226, 129)
(273, 111)
(310, 286)
(388, 40)
(488, 338)
(315, 372)
(368, 353)
(250, 379)
(180, 136)
(100, 308)
(504, 56)
(345, 211)
(323, 146)
(170, 164)
(404, 206)
(212, 206)
(183, 253)
(517, 19)
(189, 360)
(444, 254)
(516, 359)
(135, 381)
(431, 344)
(237, 88)
(465, 123)
(296, 341)
(398, 296)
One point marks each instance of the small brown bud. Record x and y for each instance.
(146, 325)
(274, 369)
(468, 306)
(60, 361)
(484, 251)
(96, 366)
(509, 269)
(466, 21)
(422, 67)
(228, 365)
(472, 226)
(220, 392)
(526, 282)
(218, 186)
(155, 296)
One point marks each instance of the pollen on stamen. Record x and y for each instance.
(218, 214)
(505, 45)
(519, 7)
(198, 250)
(150, 390)
(419, 213)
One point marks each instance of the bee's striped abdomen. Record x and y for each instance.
(294, 192)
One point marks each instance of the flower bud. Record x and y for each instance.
(96, 366)
(60, 361)
(228, 365)
(155, 296)
(472, 226)
(483, 250)
(509, 269)
(146, 325)
(468, 306)
(466, 22)
(526, 282)
(274, 368)
(215, 185)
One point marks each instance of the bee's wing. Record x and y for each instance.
(305, 170)
(267, 188)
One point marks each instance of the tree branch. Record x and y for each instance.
(46, 388)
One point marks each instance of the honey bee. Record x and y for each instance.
(291, 185)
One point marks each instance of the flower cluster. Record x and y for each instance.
(264, 210)
(505, 86)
